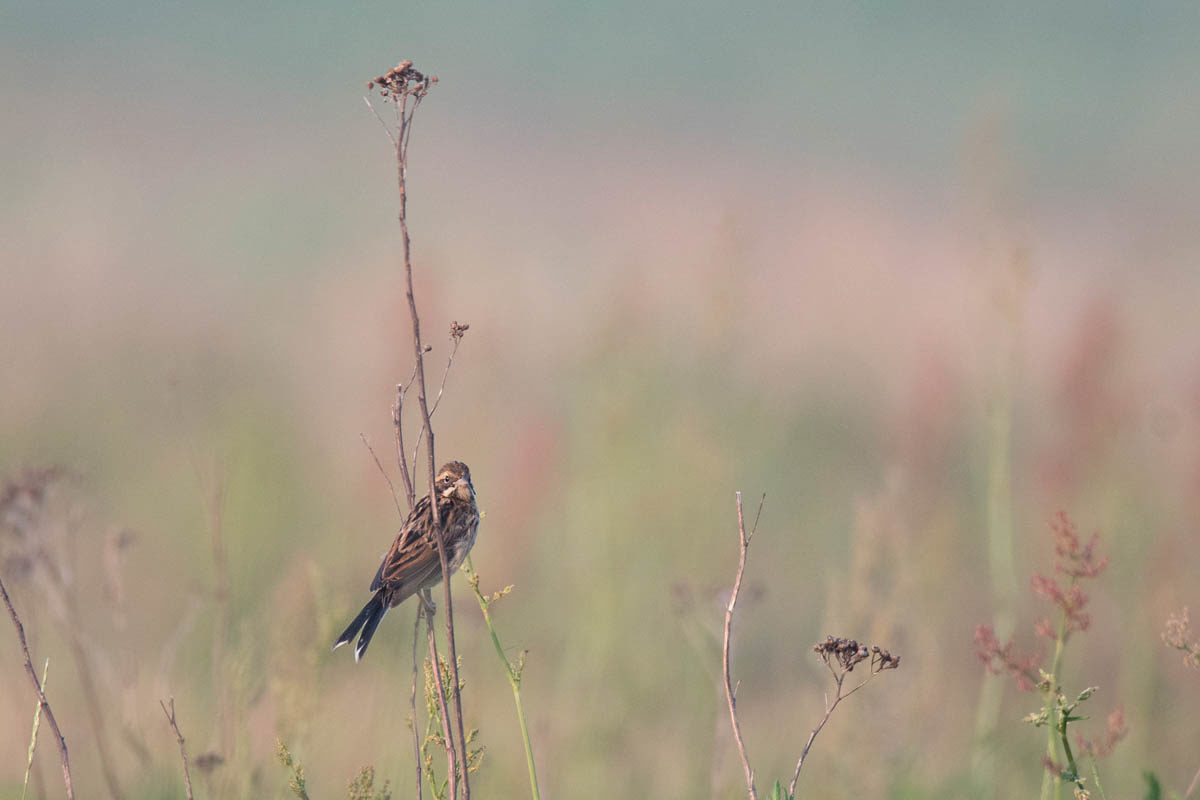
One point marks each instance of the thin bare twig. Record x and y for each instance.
(398, 423)
(41, 696)
(456, 339)
(386, 128)
(187, 777)
(383, 472)
(412, 700)
(451, 755)
(847, 654)
(743, 545)
(829, 707)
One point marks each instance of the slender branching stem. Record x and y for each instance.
(743, 546)
(398, 423)
(406, 88)
(451, 756)
(412, 699)
(422, 399)
(454, 342)
(187, 777)
(41, 695)
(512, 672)
(839, 678)
(383, 472)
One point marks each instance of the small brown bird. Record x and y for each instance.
(413, 564)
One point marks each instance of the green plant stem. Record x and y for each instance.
(514, 678)
(1002, 572)
(1072, 767)
(1096, 778)
(1059, 642)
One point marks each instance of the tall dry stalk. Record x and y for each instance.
(405, 87)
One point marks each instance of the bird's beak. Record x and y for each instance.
(463, 489)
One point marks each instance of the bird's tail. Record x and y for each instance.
(368, 621)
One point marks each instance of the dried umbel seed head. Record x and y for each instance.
(457, 329)
(402, 80)
(849, 653)
(881, 659)
(846, 652)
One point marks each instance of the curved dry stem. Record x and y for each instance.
(744, 544)
(41, 696)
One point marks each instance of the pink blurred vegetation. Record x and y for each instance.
(828, 338)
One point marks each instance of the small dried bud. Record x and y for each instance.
(427, 348)
(370, 85)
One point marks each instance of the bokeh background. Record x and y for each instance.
(923, 274)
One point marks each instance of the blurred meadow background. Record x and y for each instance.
(925, 275)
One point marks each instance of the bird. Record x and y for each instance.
(412, 563)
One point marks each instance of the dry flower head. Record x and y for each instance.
(402, 80)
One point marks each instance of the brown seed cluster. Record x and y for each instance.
(848, 653)
(402, 80)
(457, 329)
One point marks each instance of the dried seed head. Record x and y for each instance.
(402, 80)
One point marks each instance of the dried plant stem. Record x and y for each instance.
(743, 546)
(412, 700)
(512, 671)
(422, 398)
(383, 472)
(443, 712)
(405, 88)
(454, 342)
(41, 695)
(187, 777)
(398, 423)
(839, 678)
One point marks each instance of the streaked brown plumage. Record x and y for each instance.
(413, 563)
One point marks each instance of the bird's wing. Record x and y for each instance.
(413, 558)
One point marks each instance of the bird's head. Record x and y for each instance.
(454, 482)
